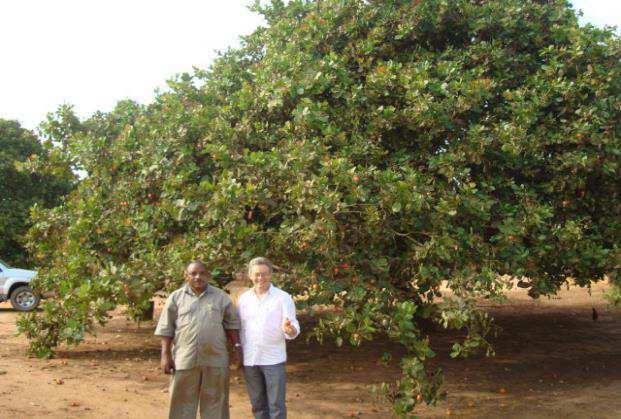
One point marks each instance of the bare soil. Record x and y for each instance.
(552, 360)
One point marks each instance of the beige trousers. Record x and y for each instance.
(207, 386)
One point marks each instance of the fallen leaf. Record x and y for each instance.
(502, 391)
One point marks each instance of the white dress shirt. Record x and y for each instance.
(262, 337)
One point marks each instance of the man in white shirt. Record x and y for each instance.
(267, 316)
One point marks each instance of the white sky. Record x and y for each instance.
(93, 53)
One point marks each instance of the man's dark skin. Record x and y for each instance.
(196, 277)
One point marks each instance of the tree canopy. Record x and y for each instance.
(374, 150)
(31, 172)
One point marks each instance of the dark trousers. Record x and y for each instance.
(266, 389)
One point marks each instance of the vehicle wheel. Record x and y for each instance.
(24, 298)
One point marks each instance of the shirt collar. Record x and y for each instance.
(188, 290)
(270, 291)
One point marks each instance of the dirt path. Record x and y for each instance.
(552, 360)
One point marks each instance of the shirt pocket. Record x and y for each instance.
(213, 313)
(184, 317)
(248, 313)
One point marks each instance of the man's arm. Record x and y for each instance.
(231, 326)
(238, 355)
(166, 330)
(167, 363)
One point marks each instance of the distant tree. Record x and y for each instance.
(31, 172)
(376, 150)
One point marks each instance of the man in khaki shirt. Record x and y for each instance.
(194, 326)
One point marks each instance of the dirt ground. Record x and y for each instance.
(552, 360)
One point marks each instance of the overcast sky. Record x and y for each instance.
(93, 53)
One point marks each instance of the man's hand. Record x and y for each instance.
(167, 363)
(237, 359)
(288, 328)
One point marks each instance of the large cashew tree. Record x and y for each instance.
(377, 151)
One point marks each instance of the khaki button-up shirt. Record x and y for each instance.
(197, 323)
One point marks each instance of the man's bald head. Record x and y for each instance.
(196, 262)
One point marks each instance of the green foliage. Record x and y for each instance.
(377, 151)
(31, 173)
(614, 292)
